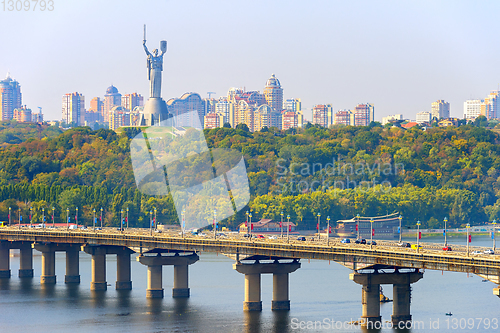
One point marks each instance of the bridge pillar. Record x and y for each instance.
(123, 276)
(25, 261)
(371, 295)
(48, 262)
(4, 260)
(98, 267)
(72, 264)
(496, 291)
(155, 266)
(280, 273)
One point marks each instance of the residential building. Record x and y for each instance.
(37, 117)
(10, 97)
(266, 116)
(323, 115)
(96, 105)
(492, 105)
(213, 120)
(293, 104)
(118, 117)
(274, 93)
(391, 119)
(226, 108)
(130, 101)
(112, 98)
(343, 117)
(185, 107)
(73, 109)
(472, 108)
(22, 114)
(289, 119)
(364, 114)
(423, 117)
(440, 109)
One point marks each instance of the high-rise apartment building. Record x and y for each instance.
(323, 115)
(293, 104)
(289, 119)
(22, 114)
(274, 93)
(96, 105)
(112, 98)
(472, 108)
(213, 120)
(73, 109)
(492, 105)
(440, 109)
(364, 114)
(225, 108)
(343, 117)
(130, 101)
(189, 110)
(10, 97)
(118, 117)
(423, 117)
(391, 118)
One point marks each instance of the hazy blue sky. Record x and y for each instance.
(399, 55)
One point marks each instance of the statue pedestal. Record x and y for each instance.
(155, 111)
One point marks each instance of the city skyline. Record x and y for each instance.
(400, 57)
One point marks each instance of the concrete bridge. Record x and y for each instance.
(372, 266)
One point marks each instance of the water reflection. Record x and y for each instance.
(124, 298)
(281, 319)
(155, 305)
(48, 289)
(252, 321)
(98, 298)
(26, 285)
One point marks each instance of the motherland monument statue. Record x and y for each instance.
(155, 109)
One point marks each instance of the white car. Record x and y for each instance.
(476, 252)
(489, 251)
(273, 237)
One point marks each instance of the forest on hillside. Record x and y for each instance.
(425, 175)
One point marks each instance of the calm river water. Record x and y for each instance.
(320, 292)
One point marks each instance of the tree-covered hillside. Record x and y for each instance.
(339, 172)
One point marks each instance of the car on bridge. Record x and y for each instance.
(404, 244)
(447, 248)
(346, 241)
(489, 251)
(261, 237)
(360, 241)
(301, 238)
(476, 252)
(371, 243)
(414, 246)
(273, 237)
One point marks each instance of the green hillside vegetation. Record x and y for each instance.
(13, 132)
(339, 172)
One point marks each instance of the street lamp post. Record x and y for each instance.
(493, 235)
(9, 215)
(288, 229)
(67, 218)
(328, 231)
(155, 220)
(400, 230)
(151, 222)
(101, 217)
(76, 217)
(53, 216)
(418, 235)
(94, 220)
(182, 226)
(251, 226)
(121, 220)
(215, 229)
(371, 229)
(357, 224)
(445, 220)
(467, 227)
(127, 218)
(281, 225)
(43, 217)
(317, 226)
(19, 211)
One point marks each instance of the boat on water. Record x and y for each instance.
(449, 314)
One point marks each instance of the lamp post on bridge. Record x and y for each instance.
(418, 235)
(288, 229)
(101, 217)
(53, 218)
(20, 218)
(317, 226)
(151, 222)
(215, 229)
(400, 230)
(127, 218)
(43, 217)
(357, 224)
(493, 234)
(251, 225)
(328, 231)
(372, 232)
(155, 221)
(76, 217)
(67, 218)
(281, 224)
(121, 221)
(444, 232)
(94, 220)
(183, 224)
(9, 215)
(468, 239)
(31, 217)
(247, 225)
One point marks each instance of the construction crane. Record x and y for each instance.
(210, 93)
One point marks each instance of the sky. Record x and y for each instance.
(398, 55)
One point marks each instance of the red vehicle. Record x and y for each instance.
(261, 237)
(447, 248)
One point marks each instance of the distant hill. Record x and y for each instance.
(13, 132)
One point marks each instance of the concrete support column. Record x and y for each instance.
(280, 292)
(401, 303)
(25, 261)
(99, 270)
(123, 276)
(370, 300)
(72, 266)
(181, 287)
(4, 261)
(280, 273)
(48, 267)
(252, 293)
(155, 287)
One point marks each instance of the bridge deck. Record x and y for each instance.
(353, 255)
